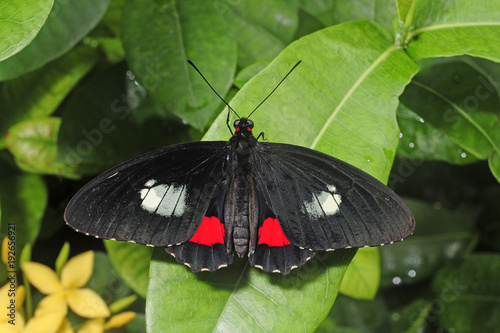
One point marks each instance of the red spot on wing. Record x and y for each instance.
(271, 234)
(210, 232)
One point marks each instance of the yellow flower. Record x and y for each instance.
(98, 325)
(68, 290)
(11, 298)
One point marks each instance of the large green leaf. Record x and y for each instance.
(159, 37)
(341, 99)
(240, 299)
(39, 93)
(69, 21)
(441, 235)
(19, 24)
(453, 27)
(23, 200)
(263, 28)
(460, 101)
(468, 294)
(131, 261)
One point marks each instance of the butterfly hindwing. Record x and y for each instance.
(273, 251)
(158, 199)
(207, 249)
(323, 203)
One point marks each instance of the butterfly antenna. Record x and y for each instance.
(283, 79)
(222, 99)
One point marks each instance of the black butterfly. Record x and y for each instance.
(278, 203)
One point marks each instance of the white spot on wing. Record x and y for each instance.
(163, 199)
(324, 203)
(150, 183)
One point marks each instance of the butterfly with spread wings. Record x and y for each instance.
(277, 203)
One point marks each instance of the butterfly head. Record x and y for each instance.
(243, 127)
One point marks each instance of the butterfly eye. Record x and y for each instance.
(236, 123)
(250, 123)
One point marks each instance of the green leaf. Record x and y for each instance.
(248, 72)
(68, 22)
(220, 301)
(122, 304)
(20, 23)
(34, 145)
(23, 200)
(158, 54)
(131, 261)
(468, 294)
(405, 10)
(263, 28)
(39, 93)
(335, 12)
(443, 28)
(440, 236)
(307, 24)
(422, 142)
(62, 258)
(494, 163)
(326, 103)
(460, 101)
(362, 277)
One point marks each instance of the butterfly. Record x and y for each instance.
(276, 203)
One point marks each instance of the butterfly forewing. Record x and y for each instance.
(323, 203)
(158, 199)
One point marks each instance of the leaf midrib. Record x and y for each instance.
(413, 33)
